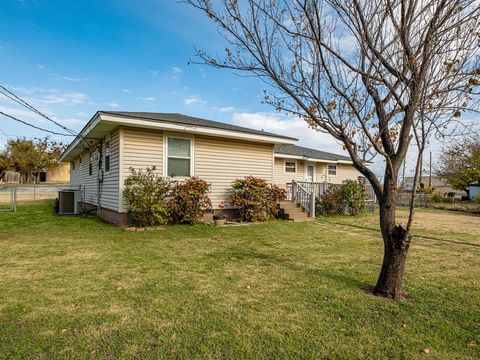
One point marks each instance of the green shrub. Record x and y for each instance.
(144, 193)
(347, 198)
(330, 203)
(257, 199)
(437, 198)
(353, 196)
(188, 199)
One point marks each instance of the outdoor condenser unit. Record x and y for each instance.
(69, 201)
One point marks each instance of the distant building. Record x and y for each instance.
(473, 190)
(440, 185)
(58, 173)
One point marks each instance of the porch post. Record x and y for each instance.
(312, 204)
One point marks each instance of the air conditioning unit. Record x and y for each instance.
(69, 201)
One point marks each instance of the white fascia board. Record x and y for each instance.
(298, 157)
(197, 130)
(84, 133)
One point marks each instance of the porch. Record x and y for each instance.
(304, 194)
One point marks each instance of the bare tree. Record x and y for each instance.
(379, 76)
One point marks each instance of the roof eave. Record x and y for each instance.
(169, 126)
(306, 158)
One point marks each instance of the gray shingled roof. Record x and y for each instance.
(310, 153)
(191, 121)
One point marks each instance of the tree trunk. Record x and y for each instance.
(396, 242)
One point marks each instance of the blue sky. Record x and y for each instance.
(72, 58)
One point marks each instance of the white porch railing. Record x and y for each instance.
(306, 192)
(306, 198)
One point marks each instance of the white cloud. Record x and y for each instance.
(177, 70)
(192, 100)
(126, 91)
(147, 98)
(68, 78)
(224, 109)
(40, 66)
(202, 73)
(288, 126)
(113, 105)
(73, 98)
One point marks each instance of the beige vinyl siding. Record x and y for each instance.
(344, 172)
(281, 178)
(109, 187)
(79, 178)
(221, 161)
(142, 149)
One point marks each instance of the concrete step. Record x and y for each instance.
(298, 216)
(303, 219)
(290, 206)
(297, 210)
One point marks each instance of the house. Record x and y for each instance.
(181, 146)
(440, 185)
(56, 173)
(473, 191)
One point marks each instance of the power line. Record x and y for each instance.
(34, 126)
(25, 104)
(4, 133)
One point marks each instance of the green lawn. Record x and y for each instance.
(73, 287)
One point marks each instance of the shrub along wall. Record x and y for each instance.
(154, 200)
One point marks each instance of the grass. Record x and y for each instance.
(73, 287)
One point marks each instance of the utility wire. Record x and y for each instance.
(34, 126)
(25, 104)
(4, 133)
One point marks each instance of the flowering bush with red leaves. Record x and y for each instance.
(188, 199)
(257, 199)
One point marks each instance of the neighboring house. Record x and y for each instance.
(473, 191)
(58, 173)
(185, 146)
(440, 185)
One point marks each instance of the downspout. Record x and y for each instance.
(99, 179)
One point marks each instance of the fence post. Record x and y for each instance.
(312, 204)
(293, 191)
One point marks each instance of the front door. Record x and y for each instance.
(310, 173)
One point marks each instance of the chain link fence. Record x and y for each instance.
(29, 192)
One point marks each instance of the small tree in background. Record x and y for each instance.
(257, 198)
(188, 199)
(145, 193)
(30, 156)
(459, 164)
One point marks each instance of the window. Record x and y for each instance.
(178, 157)
(107, 156)
(90, 165)
(332, 170)
(291, 167)
(73, 165)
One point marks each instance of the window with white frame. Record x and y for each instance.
(290, 167)
(107, 156)
(179, 157)
(90, 164)
(332, 170)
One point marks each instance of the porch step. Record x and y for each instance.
(300, 217)
(294, 212)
